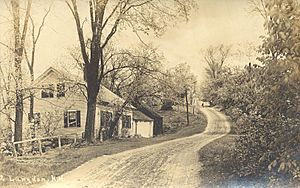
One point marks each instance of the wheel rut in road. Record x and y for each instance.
(169, 164)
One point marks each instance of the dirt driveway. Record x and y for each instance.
(170, 164)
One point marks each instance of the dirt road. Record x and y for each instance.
(169, 164)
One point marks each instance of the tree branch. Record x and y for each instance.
(74, 11)
(27, 16)
(8, 47)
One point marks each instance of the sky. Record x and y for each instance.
(214, 22)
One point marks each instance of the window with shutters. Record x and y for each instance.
(105, 123)
(47, 91)
(106, 119)
(60, 89)
(126, 121)
(72, 118)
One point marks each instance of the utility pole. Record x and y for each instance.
(187, 107)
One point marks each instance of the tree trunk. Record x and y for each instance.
(31, 105)
(92, 75)
(92, 92)
(18, 54)
(116, 119)
(31, 98)
(90, 119)
(187, 107)
(18, 116)
(18, 72)
(19, 97)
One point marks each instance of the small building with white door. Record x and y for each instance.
(143, 124)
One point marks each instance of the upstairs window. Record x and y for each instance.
(126, 121)
(72, 118)
(60, 90)
(47, 91)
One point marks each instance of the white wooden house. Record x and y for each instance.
(60, 106)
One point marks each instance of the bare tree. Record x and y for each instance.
(19, 46)
(31, 59)
(105, 19)
(134, 77)
(6, 99)
(259, 6)
(215, 58)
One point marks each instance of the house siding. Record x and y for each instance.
(58, 106)
(74, 99)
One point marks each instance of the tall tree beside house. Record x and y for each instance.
(30, 59)
(106, 17)
(19, 46)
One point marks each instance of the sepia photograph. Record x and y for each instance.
(149, 93)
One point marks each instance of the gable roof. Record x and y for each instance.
(148, 111)
(106, 96)
(138, 115)
(61, 74)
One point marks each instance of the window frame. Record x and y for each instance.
(60, 89)
(105, 123)
(47, 91)
(76, 119)
(126, 122)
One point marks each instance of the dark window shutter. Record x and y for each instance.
(78, 118)
(129, 121)
(123, 121)
(65, 119)
(110, 118)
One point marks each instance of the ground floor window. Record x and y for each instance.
(106, 119)
(126, 121)
(105, 124)
(72, 118)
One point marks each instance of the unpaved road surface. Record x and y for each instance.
(170, 164)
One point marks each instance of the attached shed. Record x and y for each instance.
(158, 120)
(143, 124)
